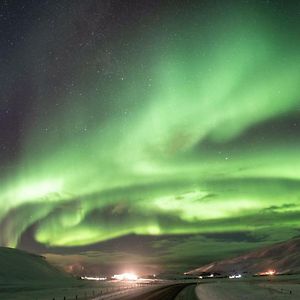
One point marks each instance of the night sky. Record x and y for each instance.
(148, 136)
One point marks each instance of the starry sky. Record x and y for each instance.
(152, 136)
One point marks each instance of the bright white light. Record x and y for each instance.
(125, 276)
(235, 276)
(211, 275)
(93, 278)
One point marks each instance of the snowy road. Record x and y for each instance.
(168, 292)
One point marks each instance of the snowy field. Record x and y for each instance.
(83, 291)
(249, 290)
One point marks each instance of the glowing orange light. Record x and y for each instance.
(269, 272)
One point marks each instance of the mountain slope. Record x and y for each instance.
(282, 257)
(20, 266)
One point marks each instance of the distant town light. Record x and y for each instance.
(93, 278)
(269, 272)
(235, 276)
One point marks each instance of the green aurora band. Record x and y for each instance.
(172, 145)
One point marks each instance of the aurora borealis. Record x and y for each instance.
(168, 130)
